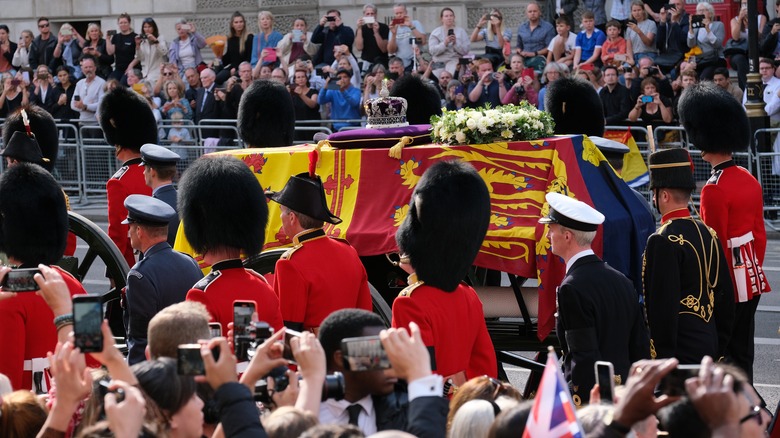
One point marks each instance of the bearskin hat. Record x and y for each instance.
(34, 226)
(713, 119)
(424, 101)
(447, 220)
(222, 205)
(266, 116)
(575, 106)
(42, 126)
(671, 169)
(127, 119)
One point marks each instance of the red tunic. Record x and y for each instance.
(227, 282)
(128, 180)
(27, 331)
(453, 323)
(732, 204)
(318, 276)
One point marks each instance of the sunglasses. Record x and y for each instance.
(41, 26)
(167, 74)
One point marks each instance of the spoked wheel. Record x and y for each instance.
(265, 263)
(102, 260)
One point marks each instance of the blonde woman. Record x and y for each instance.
(492, 31)
(95, 45)
(266, 40)
(15, 94)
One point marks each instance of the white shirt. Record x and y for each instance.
(335, 412)
(90, 95)
(576, 257)
(770, 97)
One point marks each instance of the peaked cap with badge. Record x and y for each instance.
(571, 213)
(153, 155)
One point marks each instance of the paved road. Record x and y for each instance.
(767, 364)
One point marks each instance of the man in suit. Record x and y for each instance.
(160, 279)
(159, 170)
(206, 105)
(372, 400)
(319, 274)
(599, 315)
(687, 288)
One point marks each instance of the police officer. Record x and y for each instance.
(159, 170)
(439, 239)
(599, 316)
(731, 203)
(687, 289)
(319, 274)
(161, 278)
(128, 123)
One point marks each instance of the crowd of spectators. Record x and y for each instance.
(639, 39)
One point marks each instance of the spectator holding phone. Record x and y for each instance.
(640, 31)
(150, 51)
(402, 31)
(489, 87)
(524, 88)
(708, 35)
(21, 57)
(184, 51)
(456, 96)
(650, 107)
(496, 36)
(616, 50)
(95, 45)
(265, 42)
(15, 93)
(296, 43)
(371, 38)
(304, 101)
(121, 45)
(344, 99)
(329, 33)
(447, 43)
(739, 34)
(7, 50)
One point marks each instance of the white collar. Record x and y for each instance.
(578, 256)
(339, 407)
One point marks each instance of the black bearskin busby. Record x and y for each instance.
(713, 122)
(222, 205)
(266, 116)
(671, 169)
(575, 106)
(127, 119)
(447, 220)
(34, 225)
(42, 125)
(424, 101)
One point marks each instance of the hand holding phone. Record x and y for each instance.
(87, 322)
(364, 353)
(189, 361)
(242, 318)
(21, 280)
(605, 378)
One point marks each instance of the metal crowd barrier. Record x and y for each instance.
(768, 172)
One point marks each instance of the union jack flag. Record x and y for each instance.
(553, 413)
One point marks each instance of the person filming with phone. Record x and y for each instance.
(708, 35)
(650, 106)
(490, 88)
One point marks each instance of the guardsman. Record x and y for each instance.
(159, 171)
(575, 106)
(161, 278)
(319, 274)
(731, 203)
(224, 214)
(687, 289)
(128, 123)
(599, 315)
(33, 231)
(439, 239)
(266, 116)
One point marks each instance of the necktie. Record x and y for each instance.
(205, 97)
(354, 413)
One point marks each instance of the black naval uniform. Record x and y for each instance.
(167, 194)
(599, 318)
(688, 290)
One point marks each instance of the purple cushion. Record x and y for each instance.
(384, 138)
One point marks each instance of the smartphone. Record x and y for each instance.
(297, 35)
(632, 21)
(647, 99)
(77, 98)
(189, 362)
(674, 383)
(87, 319)
(104, 389)
(110, 33)
(20, 280)
(242, 318)
(186, 27)
(15, 82)
(369, 20)
(330, 18)
(669, 7)
(464, 61)
(397, 21)
(215, 329)
(364, 353)
(438, 65)
(697, 21)
(450, 32)
(459, 89)
(26, 76)
(333, 85)
(391, 76)
(605, 377)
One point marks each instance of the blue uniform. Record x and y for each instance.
(168, 195)
(162, 278)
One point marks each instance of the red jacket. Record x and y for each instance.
(228, 281)
(318, 276)
(732, 204)
(453, 324)
(27, 331)
(128, 180)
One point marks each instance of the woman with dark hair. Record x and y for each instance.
(150, 50)
(122, 46)
(174, 395)
(304, 101)
(66, 87)
(650, 106)
(95, 45)
(296, 43)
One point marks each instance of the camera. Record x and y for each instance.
(330, 18)
(697, 21)
(144, 36)
(333, 388)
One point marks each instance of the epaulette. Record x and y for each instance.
(287, 254)
(121, 172)
(204, 282)
(407, 292)
(136, 274)
(715, 177)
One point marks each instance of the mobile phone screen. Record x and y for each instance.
(605, 377)
(87, 318)
(20, 280)
(242, 318)
(364, 353)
